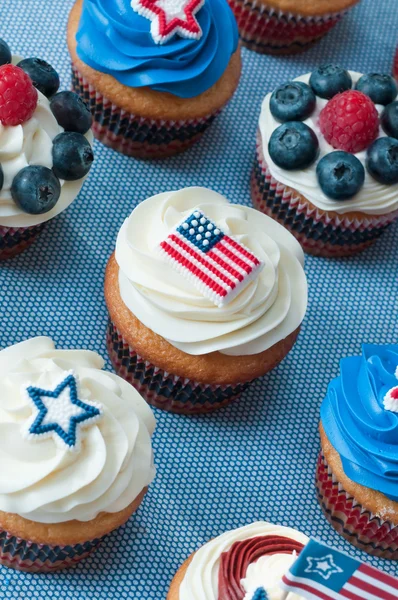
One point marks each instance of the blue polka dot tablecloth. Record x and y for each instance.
(256, 459)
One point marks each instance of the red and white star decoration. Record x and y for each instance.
(170, 17)
(391, 398)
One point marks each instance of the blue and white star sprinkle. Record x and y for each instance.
(60, 414)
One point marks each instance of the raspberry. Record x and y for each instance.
(349, 121)
(18, 96)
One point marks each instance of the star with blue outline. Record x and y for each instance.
(323, 566)
(60, 413)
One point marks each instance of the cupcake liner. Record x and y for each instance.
(318, 231)
(363, 529)
(23, 555)
(164, 390)
(271, 31)
(14, 240)
(134, 135)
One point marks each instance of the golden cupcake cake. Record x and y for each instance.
(76, 454)
(203, 297)
(155, 75)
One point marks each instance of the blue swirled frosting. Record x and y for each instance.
(356, 423)
(114, 39)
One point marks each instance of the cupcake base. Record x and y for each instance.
(23, 555)
(134, 135)
(164, 390)
(320, 233)
(355, 523)
(14, 240)
(270, 31)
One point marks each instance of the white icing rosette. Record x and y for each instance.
(41, 479)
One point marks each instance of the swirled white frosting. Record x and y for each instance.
(201, 578)
(374, 198)
(43, 481)
(265, 312)
(31, 144)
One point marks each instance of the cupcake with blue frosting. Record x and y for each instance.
(155, 74)
(357, 471)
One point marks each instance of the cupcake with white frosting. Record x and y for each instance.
(76, 454)
(327, 159)
(203, 298)
(242, 564)
(45, 149)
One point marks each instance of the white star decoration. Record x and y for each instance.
(324, 566)
(170, 17)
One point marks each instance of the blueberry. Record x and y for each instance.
(329, 80)
(382, 160)
(45, 78)
(72, 156)
(380, 88)
(5, 53)
(340, 174)
(293, 101)
(293, 145)
(71, 112)
(389, 119)
(35, 190)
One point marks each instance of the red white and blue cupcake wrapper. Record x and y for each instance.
(363, 529)
(319, 232)
(272, 31)
(14, 240)
(23, 555)
(134, 135)
(165, 390)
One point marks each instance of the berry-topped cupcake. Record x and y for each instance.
(242, 564)
(45, 149)
(357, 472)
(327, 159)
(203, 297)
(155, 74)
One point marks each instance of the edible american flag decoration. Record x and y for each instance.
(170, 17)
(323, 573)
(216, 264)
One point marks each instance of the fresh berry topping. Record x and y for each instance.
(382, 160)
(35, 190)
(293, 145)
(389, 119)
(45, 78)
(18, 96)
(5, 53)
(71, 112)
(72, 156)
(293, 101)
(349, 121)
(382, 89)
(340, 174)
(329, 80)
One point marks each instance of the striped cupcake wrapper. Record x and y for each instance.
(20, 554)
(358, 525)
(164, 390)
(14, 240)
(317, 231)
(271, 31)
(134, 135)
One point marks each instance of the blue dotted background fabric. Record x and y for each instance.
(256, 459)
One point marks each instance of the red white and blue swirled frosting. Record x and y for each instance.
(359, 420)
(114, 38)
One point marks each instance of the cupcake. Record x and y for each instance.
(357, 470)
(286, 26)
(76, 456)
(45, 149)
(155, 77)
(203, 298)
(327, 159)
(242, 564)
